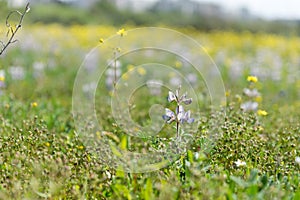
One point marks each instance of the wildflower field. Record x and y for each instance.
(244, 145)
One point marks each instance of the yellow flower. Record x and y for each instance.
(178, 64)
(260, 128)
(227, 93)
(130, 67)
(258, 99)
(101, 40)
(121, 32)
(47, 144)
(141, 71)
(262, 113)
(2, 78)
(34, 104)
(252, 79)
(98, 134)
(80, 147)
(238, 98)
(125, 76)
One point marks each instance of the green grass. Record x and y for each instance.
(42, 155)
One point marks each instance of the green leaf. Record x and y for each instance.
(239, 181)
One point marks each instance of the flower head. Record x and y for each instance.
(297, 160)
(249, 106)
(121, 32)
(2, 75)
(34, 104)
(169, 116)
(179, 99)
(185, 100)
(180, 116)
(262, 112)
(240, 163)
(251, 93)
(252, 79)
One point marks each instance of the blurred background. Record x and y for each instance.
(243, 37)
(280, 17)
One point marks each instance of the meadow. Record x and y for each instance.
(246, 146)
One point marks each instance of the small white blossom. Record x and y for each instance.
(240, 163)
(251, 93)
(297, 160)
(17, 72)
(89, 88)
(192, 78)
(113, 72)
(249, 106)
(38, 68)
(175, 81)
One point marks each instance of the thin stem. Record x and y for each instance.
(115, 69)
(13, 32)
(177, 129)
(177, 123)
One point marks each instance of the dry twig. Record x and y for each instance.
(11, 30)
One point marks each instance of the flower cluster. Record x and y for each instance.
(179, 116)
(253, 97)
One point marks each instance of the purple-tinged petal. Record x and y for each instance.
(171, 96)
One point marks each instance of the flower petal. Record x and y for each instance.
(171, 96)
(187, 101)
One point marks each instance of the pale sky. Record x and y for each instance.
(270, 9)
(289, 9)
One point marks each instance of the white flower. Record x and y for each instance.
(180, 113)
(38, 68)
(192, 78)
(89, 87)
(240, 163)
(187, 117)
(17, 72)
(169, 116)
(175, 81)
(187, 163)
(249, 106)
(251, 93)
(184, 116)
(175, 97)
(113, 63)
(297, 160)
(111, 72)
(196, 155)
(2, 74)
